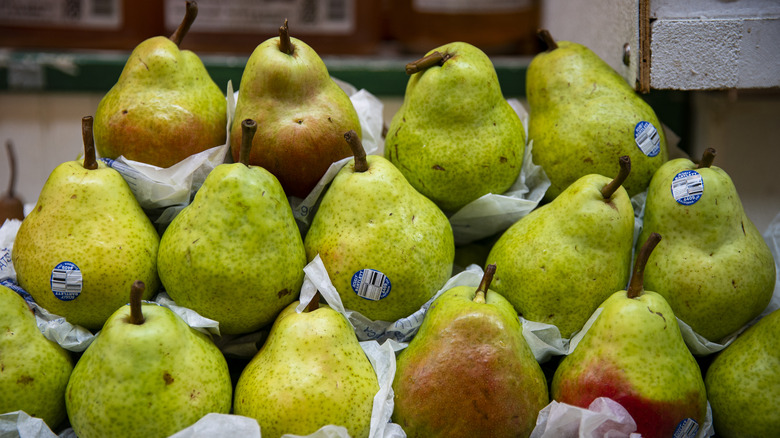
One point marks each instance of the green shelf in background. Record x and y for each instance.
(97, 71)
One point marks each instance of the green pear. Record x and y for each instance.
(301, 113)
(714, 269)
(146, 374)
(164, 107)
(582, 115)
(635, 355)
(235, 254)
(86, 239)
(387, 248)
(33, 370)
(468, 371)
(743, 383)
(311, 372)
(565, 258)
(455, 137)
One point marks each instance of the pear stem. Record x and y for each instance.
(248, 129)
(361, 163)
(484, 285)
(547, 39)
(314, 304)
(189, 17)
(136, 293)
(426, 62)
(636, 286)
(285, 43)
(625, 168)
(9, 147)
(707, 158)
(90, 162)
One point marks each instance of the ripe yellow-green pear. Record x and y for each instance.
(311, 372)
(561, 261)
(468, 371)
(714, 267)
(300, 111)
(455, 137)
(146, 374)
(743, 383)
(235, 254)
(164, 107)
(86, 239)
(33, 370)
(635, 355)
(387, 248)
(582, 116)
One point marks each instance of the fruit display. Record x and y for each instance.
(216, 319)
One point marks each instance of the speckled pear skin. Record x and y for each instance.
(33, 370)
(235, 254)
(164, 107)
(743, 383)
(92, 219)
(581, 118)
(147, 380)
(455, 137)
(634, 354)
(468, 371)
(310, 372)
(376, 220)
(561, 261)
(301, 114)
(713, 266)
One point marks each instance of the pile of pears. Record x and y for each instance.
(235, 254)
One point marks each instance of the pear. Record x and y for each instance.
(582, 115)
(743, 383)
(234, 254)
(455, 137)
(471, 344)
(164, 107)
(33, 370)
(635, 355)
(715, 269)
(146, 374)
(311, 372)
(565, 258)
(301, 113)
(86, 239)
(386, 247)
(11, 207)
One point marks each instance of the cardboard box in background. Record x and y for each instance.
(79, 24)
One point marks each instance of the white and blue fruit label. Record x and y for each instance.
(687, 428)
(647, 138)
(687, 187)
(370, 284)
(66, 281)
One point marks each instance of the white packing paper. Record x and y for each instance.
(20, 424)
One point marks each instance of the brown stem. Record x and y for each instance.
(136, 293)
(248, 129)
(184, 27)
(707, 158)
(314, 304)
(426, 62)
(484, 285)
(361, 164)
(90, 161)
(285, 44)
(9, 147)
(547, 39)
(625, 168)
(636, 286)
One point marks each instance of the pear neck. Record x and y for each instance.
(707, 158)
(547, 39)
(484, 284)
(136, 294)
(361, 162)
(636, 286)
(625, 168)
(426, 62)
(285, 43)
(248, 130)
(314, 304)
(9, 148)
(190, 13)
